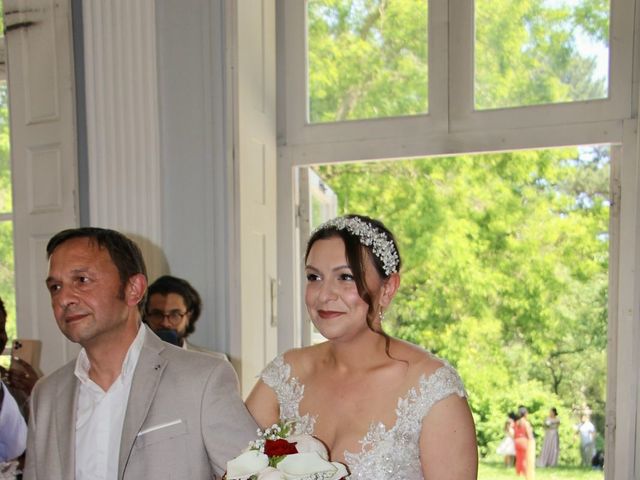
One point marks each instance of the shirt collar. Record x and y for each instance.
(128, 366)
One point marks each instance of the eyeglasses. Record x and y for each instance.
(156, 317)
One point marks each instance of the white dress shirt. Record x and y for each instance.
(13, 428)
(100, 416)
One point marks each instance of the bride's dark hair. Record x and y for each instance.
(357, 254)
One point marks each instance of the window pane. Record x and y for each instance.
(7, 281)
(540, 51)
(5, 158)
(367, 59)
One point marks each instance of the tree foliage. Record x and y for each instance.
(7, 283)
(505, 255)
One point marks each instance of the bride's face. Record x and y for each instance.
(331, 295)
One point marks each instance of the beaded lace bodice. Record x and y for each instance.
(386, 454)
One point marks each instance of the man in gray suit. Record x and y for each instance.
(130, 406)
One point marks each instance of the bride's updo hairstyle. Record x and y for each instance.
(362, 237)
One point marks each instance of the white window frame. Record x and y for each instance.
(453, 127)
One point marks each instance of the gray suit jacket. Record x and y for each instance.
(194, 348)
(184, 419)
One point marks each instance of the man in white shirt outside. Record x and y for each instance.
(587, 433)
(130, 406)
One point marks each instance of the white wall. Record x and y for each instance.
(195, 166)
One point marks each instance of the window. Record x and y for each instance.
(568, 86)
(7, 277)
(540, 52)
(367, 59)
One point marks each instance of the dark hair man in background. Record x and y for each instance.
(173, 308)
(130, 406)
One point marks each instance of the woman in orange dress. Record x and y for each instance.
(523, 438)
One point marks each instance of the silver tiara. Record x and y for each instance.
(383, 248)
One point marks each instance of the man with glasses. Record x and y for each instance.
(172, 310)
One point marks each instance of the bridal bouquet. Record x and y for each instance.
(277, 455)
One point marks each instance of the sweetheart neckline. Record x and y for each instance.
(375, 427)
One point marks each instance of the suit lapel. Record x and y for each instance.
(65, 435)
(146, 379)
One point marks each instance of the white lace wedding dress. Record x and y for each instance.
(385, 454)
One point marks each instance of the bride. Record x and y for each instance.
(386, 408)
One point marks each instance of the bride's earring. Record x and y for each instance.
(381, 315)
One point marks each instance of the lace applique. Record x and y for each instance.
(385, 454)
(289, 392)
(394, 453)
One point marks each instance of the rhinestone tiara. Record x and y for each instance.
(382, 247)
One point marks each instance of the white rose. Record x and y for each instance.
(302, 465)
(271, 473)
(308, 444)
(247, 464)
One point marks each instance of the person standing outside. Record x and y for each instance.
(507, 447)
(551, 445)
(587, 433)
(130, 406)
(525, 445)
(173, 307)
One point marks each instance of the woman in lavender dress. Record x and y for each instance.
(551, 444)
(386, 408)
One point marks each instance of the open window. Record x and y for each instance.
(492, 76)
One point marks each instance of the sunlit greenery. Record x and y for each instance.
(7, 281)
(529, 52)
(506, 255)
(497, 471)
(367, 59)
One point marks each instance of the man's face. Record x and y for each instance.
(161, 309)
(86, 294)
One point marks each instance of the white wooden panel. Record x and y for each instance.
(254, 303)
(451, 144)
(256, 178)
(627, 327)
(43, 157)
(45, 187)
(195, 168)
(613, 313)
(40, 74)
(255, 148)
(122, 121)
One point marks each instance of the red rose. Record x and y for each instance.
(278, 448)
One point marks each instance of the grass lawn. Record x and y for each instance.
(497, 471)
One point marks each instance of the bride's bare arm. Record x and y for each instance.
(263, 405)
(448, 449)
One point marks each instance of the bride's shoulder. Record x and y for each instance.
(304, 360)
(421, 363)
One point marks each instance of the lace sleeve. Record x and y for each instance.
(444, 382)
(289, 392)
(394, 453)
